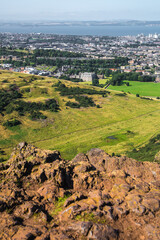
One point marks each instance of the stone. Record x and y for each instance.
(151, 204)
(118, 173)
(102, 232)
(68, 213)
(97, 158)
(142, 187)
(48, 191)
(156, 184)
(81, 157)
(120, 190)
(44, 236)
(59, 237)
(152, 232)
(27, 209)
(81, 227)
(140, 210)
(27, 233)
(22, 145)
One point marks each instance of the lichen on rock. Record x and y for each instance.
(94, 196)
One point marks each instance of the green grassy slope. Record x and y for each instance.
(120, 125)
(142, 88)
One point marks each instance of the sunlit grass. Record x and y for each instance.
(78, 130)
(142, 88)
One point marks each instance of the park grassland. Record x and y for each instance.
(150, 89)
(120, 125)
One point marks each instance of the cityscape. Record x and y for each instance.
(142, 52)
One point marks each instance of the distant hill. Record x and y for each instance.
(86, 23)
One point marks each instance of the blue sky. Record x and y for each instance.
(79, 10)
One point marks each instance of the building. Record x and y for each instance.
(157, 79)
(87, 76)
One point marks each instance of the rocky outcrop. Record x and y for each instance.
(94, 196)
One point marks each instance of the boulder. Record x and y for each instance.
(97, 158)
(102, 232)
(151, 204)
(27, 233)
(80, 227)
(151, 232)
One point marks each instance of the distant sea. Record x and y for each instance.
(84, 30)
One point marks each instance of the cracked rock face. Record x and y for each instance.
(94, 196)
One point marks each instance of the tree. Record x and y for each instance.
(108, 72)
(95, 81)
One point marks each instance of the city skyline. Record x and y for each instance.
(84, 10)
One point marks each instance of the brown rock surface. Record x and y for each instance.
(94, 196)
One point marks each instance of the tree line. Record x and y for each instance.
(118, 78)
(75, 65)
(56, 53)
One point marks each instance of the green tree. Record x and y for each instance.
(95, 81)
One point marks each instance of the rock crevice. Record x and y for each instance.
(94, 196)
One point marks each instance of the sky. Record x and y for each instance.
(79, 10)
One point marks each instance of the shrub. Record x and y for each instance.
(10, 108)
(6, 97)
(65, 91)
(85, 101)
(72, 104)
(2, 160)
(11, 123)
(146, 98)
(24, 107)
(37, 115)
(121, 94)
(5, 81)
(51, 105)
(25, 90)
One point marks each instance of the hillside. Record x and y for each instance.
(72, 118)
(93, 196)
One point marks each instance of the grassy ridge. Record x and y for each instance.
(120, 125)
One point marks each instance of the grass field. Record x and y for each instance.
(142, 88)
(120, 125)
(46, 68)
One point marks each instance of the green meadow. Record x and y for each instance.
(121, 124)
(150, 89)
